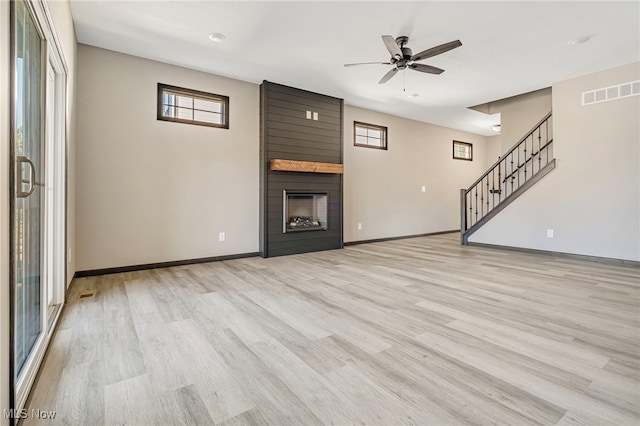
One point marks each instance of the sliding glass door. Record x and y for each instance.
(28, 141)
(38, 198)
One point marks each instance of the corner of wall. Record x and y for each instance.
(71, 167)
(383, 189)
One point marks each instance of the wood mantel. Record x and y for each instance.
(305, 166)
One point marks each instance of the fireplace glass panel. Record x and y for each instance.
(304, 211)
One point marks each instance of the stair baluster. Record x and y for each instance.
(473, 217)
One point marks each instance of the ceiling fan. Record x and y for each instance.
(402, 57)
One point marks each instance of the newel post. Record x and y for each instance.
(463, 216)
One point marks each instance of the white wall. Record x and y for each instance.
(382, 189)
(153, 191)
(63, 26)
(592, 199)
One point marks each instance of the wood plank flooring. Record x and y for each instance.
(420, 331)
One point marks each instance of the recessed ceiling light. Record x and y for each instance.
(579, 40)
(217, 37)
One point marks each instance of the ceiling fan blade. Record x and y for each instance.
(367, 63)
(436, 50)
(426, 68)
(388, 76)
(392, 46)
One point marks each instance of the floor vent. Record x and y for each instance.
(610, 93)
(87, 294)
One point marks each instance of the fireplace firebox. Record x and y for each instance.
(304, 211)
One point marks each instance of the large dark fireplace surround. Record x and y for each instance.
(300, 171)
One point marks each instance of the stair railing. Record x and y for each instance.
(503, 179)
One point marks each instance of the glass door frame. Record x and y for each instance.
(52, 58)
(56, 187)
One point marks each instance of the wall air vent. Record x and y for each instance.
(604, 94)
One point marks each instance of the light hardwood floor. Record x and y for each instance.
(419, 331)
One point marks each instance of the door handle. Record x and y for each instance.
(21, 160)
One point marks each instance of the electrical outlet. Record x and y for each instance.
(222, 236)
(308, 115)
(549, 233)
(359, 227)
(315, 116)
(424, 188)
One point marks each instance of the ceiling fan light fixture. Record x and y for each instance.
(217, 37)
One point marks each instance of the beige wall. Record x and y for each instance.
(63, 27)
(592, 199)
(177, 186)
(519, 114)
(492, 151)
(382, 189)
(152, 191)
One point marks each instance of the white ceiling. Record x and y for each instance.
(508, 48)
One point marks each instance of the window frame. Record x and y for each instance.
(470, 145)
(384, 130)
(194, 94)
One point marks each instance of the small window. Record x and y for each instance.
(462, 151)
(369, 135)
(192, 106)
